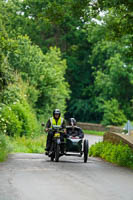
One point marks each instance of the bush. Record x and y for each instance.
(17, 120)
(5, 147)
(9, 122)
(27, 117)
(119, 154)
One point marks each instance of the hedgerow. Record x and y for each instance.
(18, 120)
(120, 154)
(5, 146)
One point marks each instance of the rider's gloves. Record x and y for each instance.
(46, 129)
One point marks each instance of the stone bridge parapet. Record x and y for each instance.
(116, 138)
(99, 127)
(112, 133)
(91, 126)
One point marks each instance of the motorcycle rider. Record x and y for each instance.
(55, 120)
(73, 130)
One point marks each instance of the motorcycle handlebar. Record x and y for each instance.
(56, 129)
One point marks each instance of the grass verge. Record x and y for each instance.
(119, 154)
(92, 132)
(28, 145)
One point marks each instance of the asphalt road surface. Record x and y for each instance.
(35, 177)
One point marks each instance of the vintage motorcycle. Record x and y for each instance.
(57, 145)
(62, 144)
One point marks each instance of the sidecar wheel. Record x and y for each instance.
(86, 148)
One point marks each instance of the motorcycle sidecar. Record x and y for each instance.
(76, 146)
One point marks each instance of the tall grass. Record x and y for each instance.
(28, 145)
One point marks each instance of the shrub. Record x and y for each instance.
(9, 122)
(5, 147)
(27, 117)
(17, 120)
(119, 154)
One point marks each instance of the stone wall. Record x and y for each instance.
(115, 129)
(99, 127)
(89, 126)
(112, 133)
(115, 138)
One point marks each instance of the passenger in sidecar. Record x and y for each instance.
(73, 130)
(75, 137)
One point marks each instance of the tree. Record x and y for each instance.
(94, 39)
(111, 71)
(46, 23)
(44, 73)
(6, 74)
(118, 19)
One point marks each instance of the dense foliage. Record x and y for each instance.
(94, 39)
(70, 54)
(119, 154)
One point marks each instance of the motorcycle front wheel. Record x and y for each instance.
(57, 152)
(52, 157)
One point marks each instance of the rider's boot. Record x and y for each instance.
(47, 147)
(47, 150)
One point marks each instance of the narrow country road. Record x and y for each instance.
(34, 177)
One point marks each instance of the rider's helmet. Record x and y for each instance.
(56, 111)
(72, 121)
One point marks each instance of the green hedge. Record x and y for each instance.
(18, 120)
(119, 154)
(5, 147)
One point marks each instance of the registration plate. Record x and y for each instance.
(57, 135)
